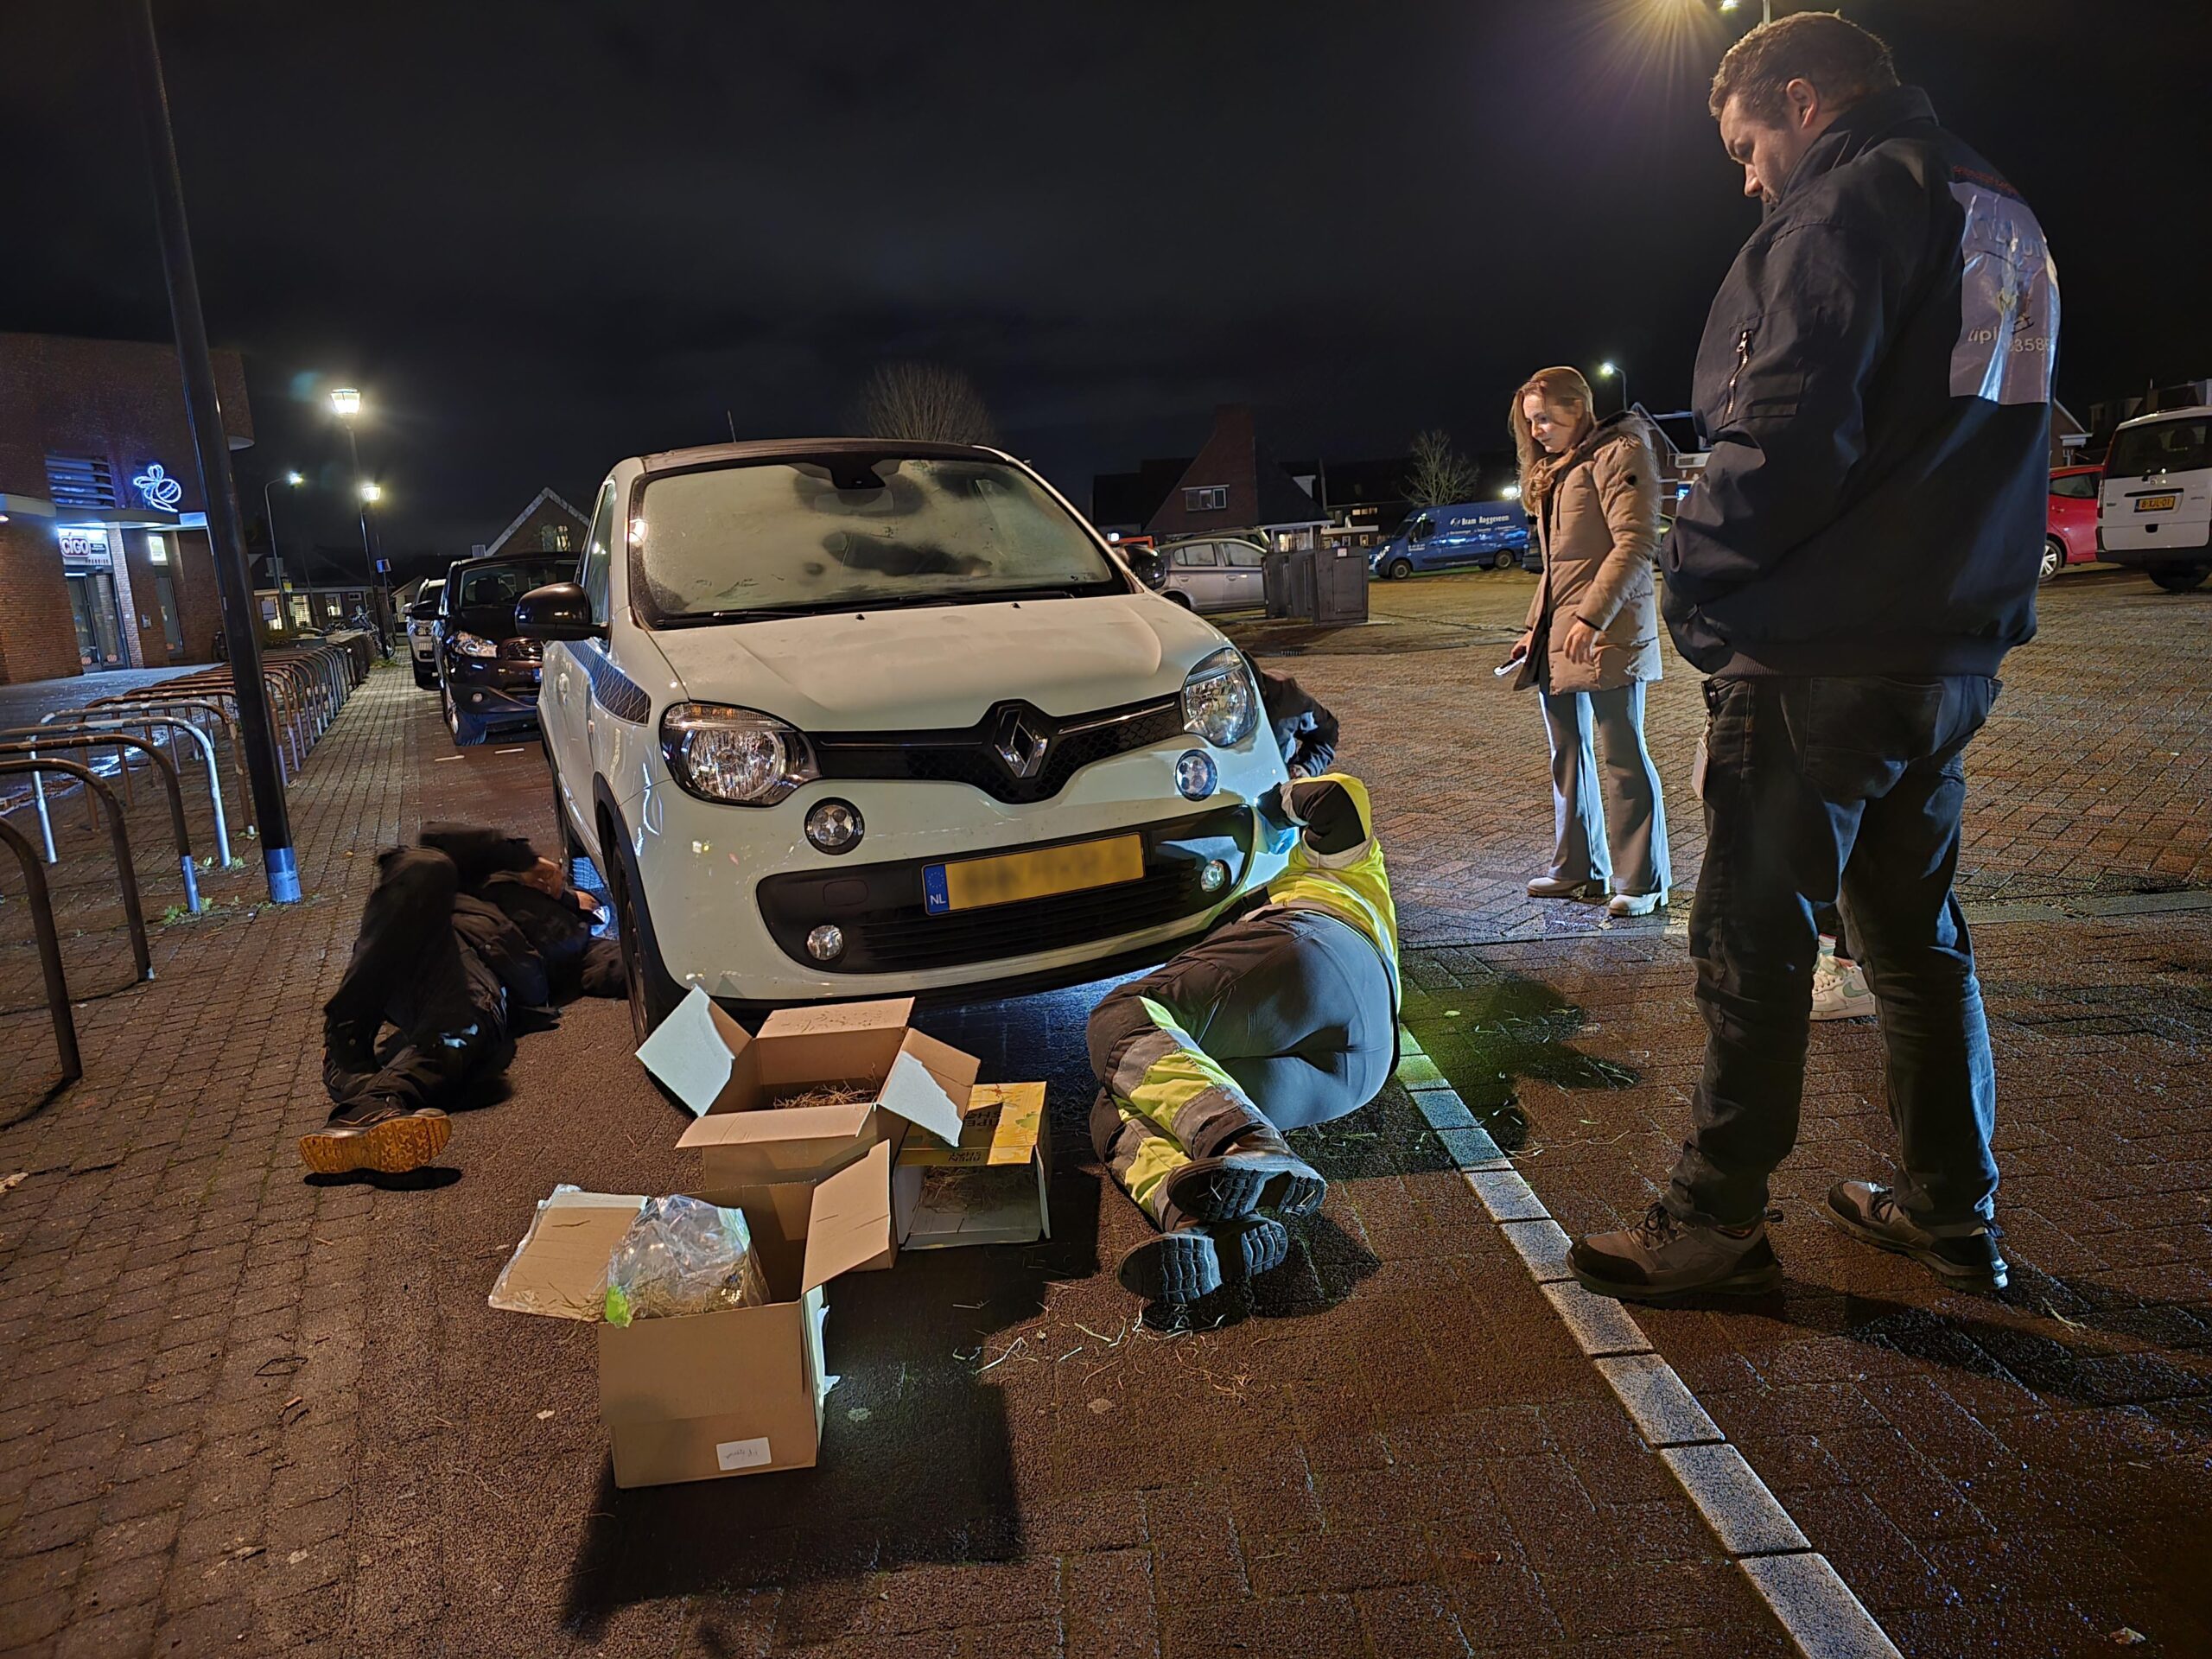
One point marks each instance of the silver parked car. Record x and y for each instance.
(422, 632)
(1215, 573)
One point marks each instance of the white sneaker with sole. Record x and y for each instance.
(1840, 991)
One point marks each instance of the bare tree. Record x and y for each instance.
(1441, 475)
(926, 401)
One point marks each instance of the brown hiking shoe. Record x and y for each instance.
(1662, 1256)
(1967, 1260)
(382, 1137)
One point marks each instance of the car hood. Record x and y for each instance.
(943, 666)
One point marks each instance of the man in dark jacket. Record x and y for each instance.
(460, 931)
(1851, 568)
(1304, 728)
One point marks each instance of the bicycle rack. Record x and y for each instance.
(49, 953)
(118, 838)
(165, 768)
(147, 724)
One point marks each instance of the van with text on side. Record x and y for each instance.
(1486, 535)
(2154, 510)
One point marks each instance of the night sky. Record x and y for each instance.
(544, 236)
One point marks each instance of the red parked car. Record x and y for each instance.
(2071, 533)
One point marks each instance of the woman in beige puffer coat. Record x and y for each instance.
(1592, 491)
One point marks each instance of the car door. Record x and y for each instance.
(1197, 575)
(564, 698)
(2073, 513)
(1243, 576)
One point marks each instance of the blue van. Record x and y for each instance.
(1489, 535)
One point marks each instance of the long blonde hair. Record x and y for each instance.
(1562, 388)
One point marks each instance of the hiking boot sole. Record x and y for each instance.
(1950, 1272)
(1177, 1267)
(392, 1147)
(1232, 1187)
(1751, 1281)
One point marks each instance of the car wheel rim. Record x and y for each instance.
(2050, 562)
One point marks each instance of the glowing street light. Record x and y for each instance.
(371, 493)
(1511, 492)
(345, 400)
(1610, 370)
(291, 480)
(345, 403)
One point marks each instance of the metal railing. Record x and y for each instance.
(165, 769)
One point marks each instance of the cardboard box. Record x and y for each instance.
(736, 1391)
(990, 1189)
(731, 1081)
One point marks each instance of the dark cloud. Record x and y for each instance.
(545, 235)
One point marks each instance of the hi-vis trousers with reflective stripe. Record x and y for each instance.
(1285, 1017)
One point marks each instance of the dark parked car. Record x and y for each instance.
(488, 674)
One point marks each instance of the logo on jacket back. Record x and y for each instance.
(2008, 299)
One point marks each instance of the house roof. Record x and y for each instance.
(1261, 494)
(524, 516)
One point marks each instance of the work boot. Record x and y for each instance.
(1191, 1260)
(1662, 1257)
(378, 1135)
(1969, 1261)
(1556, 887)
(1256, 1170)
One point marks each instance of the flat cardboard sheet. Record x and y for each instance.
(560, 1268)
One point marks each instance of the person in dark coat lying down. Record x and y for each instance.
(1285, 1015)
(460, 930)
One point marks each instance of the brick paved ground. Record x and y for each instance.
(246, 1413)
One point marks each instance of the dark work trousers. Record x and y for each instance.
(1817, 788)
(1294, 1005)
(410, 967)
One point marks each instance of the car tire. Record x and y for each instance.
(1399, 569)
(467, 730)
(1184, 599)
(2054, 559)
(653, 995)
(1504, 559)
(2180, 578)
(426, 679)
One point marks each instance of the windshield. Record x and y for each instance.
(845, 532)
(503, 584)
(2162, 447)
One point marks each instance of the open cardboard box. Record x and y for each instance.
(736, 1391)
(976, 1174)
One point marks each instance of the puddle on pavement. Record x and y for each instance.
(1488, 1036)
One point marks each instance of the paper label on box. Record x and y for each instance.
(742, 1454)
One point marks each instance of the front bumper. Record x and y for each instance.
(731, 893)
(493, 689)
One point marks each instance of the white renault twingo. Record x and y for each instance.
(842, 718)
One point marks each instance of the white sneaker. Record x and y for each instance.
(1636, 904)
(1840, 991)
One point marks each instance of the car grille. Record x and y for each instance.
(888, 930)
(1053, 748)
(522, 650)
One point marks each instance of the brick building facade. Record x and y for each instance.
(1236, 485)
(104, 554)
(548, 525)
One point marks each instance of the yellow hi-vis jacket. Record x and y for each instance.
(1350, 885)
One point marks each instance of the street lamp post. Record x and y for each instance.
(345, 403)
(292, 480)
(1610, 370)
(1766, 10)
(204, 415)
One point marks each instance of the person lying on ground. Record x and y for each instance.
(1284, 1016)
(460, 932)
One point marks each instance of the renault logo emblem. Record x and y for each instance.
(1020, 746)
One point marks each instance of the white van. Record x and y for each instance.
(2155, 511)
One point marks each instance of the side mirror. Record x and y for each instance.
(422, 610)
(559, 610)
(1148, 566)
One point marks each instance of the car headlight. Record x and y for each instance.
(737, 756)
(1219, 703)
(474, 645)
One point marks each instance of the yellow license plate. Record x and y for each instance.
(974, 883)
(2157, 503)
